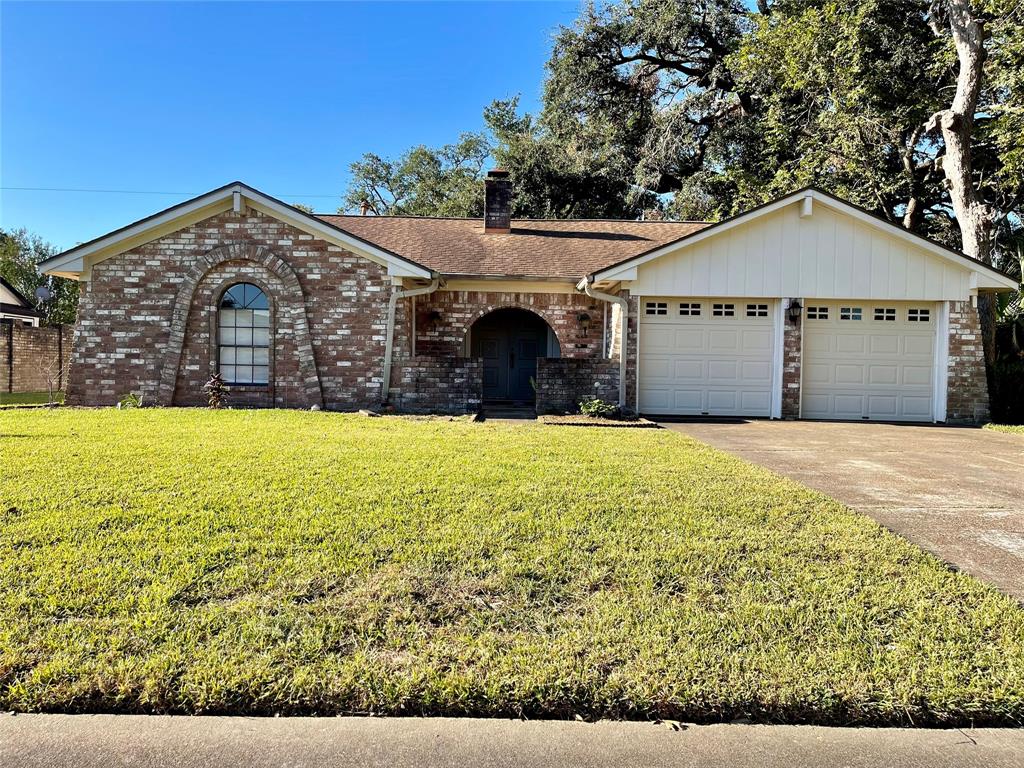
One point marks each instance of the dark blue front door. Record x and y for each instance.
(508, 342)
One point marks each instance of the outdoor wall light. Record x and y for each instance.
(794, 310)
(433, 319)
(584, 320)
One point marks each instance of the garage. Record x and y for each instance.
(869, 360)
(710, 357)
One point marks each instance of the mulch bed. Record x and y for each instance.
(579, 420)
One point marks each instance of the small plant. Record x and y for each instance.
(131, 400)
(216, 392)
(597, 408)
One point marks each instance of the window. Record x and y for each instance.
(885, 313)
(689, 310)
(656, 308)
(244, 335)
(723, 310)
(757, 310)
(919, 315)
(851, 313)
(817, 313)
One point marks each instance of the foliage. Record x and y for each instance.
(1015, 430)
(216, 391)
(131, 400)
(598, 408)
(17, 399)
(422, 182)
(20, 252)
(178, 560)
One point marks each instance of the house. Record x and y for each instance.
(16, 308)
(806, 307)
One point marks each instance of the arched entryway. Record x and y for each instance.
(509, 341)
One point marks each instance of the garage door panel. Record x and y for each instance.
(866, 368)
(713, 365)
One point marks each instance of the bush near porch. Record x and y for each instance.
(287, 562)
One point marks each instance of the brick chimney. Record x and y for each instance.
(497, 202)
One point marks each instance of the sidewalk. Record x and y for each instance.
(108, 741)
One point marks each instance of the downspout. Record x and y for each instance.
(623, 330)
(389, 339)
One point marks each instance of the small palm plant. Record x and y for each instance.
(216, 392)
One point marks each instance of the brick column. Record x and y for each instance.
(967, 383)
(792, 346)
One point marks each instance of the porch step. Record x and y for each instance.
(508, 411)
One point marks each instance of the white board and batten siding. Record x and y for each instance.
(829, 254)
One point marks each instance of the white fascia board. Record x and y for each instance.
(987, 278)
(77, 262)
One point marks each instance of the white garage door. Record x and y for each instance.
(869, 360)
(706, 356)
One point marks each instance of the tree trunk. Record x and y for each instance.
(957, 125)
(975, 218)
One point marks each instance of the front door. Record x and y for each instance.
(508, 343)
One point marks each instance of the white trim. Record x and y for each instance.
(77, 262)
(940, 398)
(800, 388)
(984, 277)
(779, 362)
(636, 384)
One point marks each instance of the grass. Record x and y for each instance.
(1019, 429)
(28, 398)
(288, 562)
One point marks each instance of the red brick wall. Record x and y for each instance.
(563, 382)
(126, 313)
(437, 385)
(792, 345)
(460, 309)
(967, 385)
(30, 358)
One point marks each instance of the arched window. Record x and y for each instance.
(244, 335)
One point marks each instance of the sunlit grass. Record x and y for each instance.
(1006, 428)
(271, 561)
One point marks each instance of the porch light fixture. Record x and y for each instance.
(433, 319)
(794, 310)
(584, 320)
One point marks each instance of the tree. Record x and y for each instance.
(20, 253)
(303, 207)
(423, 181)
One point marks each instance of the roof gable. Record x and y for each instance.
(76, 262)
(797, 239)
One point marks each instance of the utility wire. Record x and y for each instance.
(140, 192)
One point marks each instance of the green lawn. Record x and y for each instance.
(290, 562)
(1006, 428)
(29, 398)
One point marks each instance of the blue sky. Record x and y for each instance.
(184, 97)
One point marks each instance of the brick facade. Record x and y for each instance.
(792, 355)
(967, 385)
(451, 385)
(563, 382)
(31, 359)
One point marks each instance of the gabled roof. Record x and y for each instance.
(625, 268)
(535, 248)
(21, 306)
(75, 261)
(18, 296)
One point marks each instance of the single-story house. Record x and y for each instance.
(15, 308)
(805, 307)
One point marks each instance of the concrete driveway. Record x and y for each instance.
(956, 492)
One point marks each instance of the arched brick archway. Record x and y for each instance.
(508, 341)
(183, 304)
(490, 308)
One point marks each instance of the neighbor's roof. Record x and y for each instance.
(538, 248)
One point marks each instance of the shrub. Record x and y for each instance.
(598, 408)
(216, 392)
(131, 400)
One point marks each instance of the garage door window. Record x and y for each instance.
(656, 308)
(850, 313)
(757, 310)
(723, 310)
(817, 313)
(918, 315)
(885, 314)
(687, 309)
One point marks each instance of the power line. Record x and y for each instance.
(141, 192)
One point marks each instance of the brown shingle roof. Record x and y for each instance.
(543, 248)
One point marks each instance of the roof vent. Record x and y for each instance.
(497, 202)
